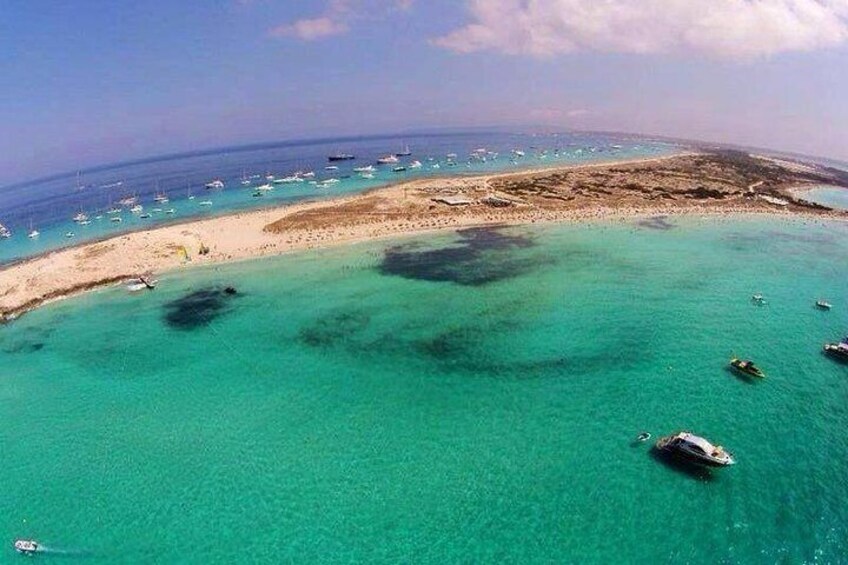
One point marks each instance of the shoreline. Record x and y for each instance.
(409, 208)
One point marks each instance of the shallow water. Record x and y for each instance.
(463, 397)
(832, 196)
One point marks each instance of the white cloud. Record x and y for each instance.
(738, 29)
(310, 29)
(337, 17)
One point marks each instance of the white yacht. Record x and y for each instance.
(215, 184)
(695, 449)
(26, 546)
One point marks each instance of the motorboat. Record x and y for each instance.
(205, 203)
(837, 350)
(137, 209)
(341, 157)
(214, 185)
(70, 234)
(758, 299)
(170, 211)
(823, 305)
(116, 219)
(518, 153)
(747, 368)
(331, 168)
(695, 449)
(399, 169)
(306, 175)
(264, 187)
(388, 160)
(144, 216)
(28, 546)
(415, 165)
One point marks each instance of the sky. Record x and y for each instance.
(87, 83)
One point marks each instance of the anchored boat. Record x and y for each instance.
(837, 350)
(695, 449)
(746, 368)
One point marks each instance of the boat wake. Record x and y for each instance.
(61, 552)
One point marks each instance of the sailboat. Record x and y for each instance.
(33, 233)
(405, 152)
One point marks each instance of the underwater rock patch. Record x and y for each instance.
(328, 331)
(660, 223)
(197, 309)
(481, 256)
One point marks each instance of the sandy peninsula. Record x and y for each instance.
(723, 182)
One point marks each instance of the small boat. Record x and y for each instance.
(331, 168)
(145, 215)
(116, 219)
(137, 209)
(747, 368)
(264, 187)
(758, 299)
(28, 546)
(399, 169)
(837, 350)
(388, 160)
(70, 234)
(156, 210)
(644, 436)
(170, 211)
(518, 153)
(823, 305)
(366, 175)
(695, 449)
(368, 169)
(205, 203)
(288, 180)
(257, 193)
(306, 175)
(215, 184)
(415, 165)
(141, 283)
(341, 157)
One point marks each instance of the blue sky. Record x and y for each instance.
(85, 83)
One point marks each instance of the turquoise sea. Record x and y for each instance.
(464, 397)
